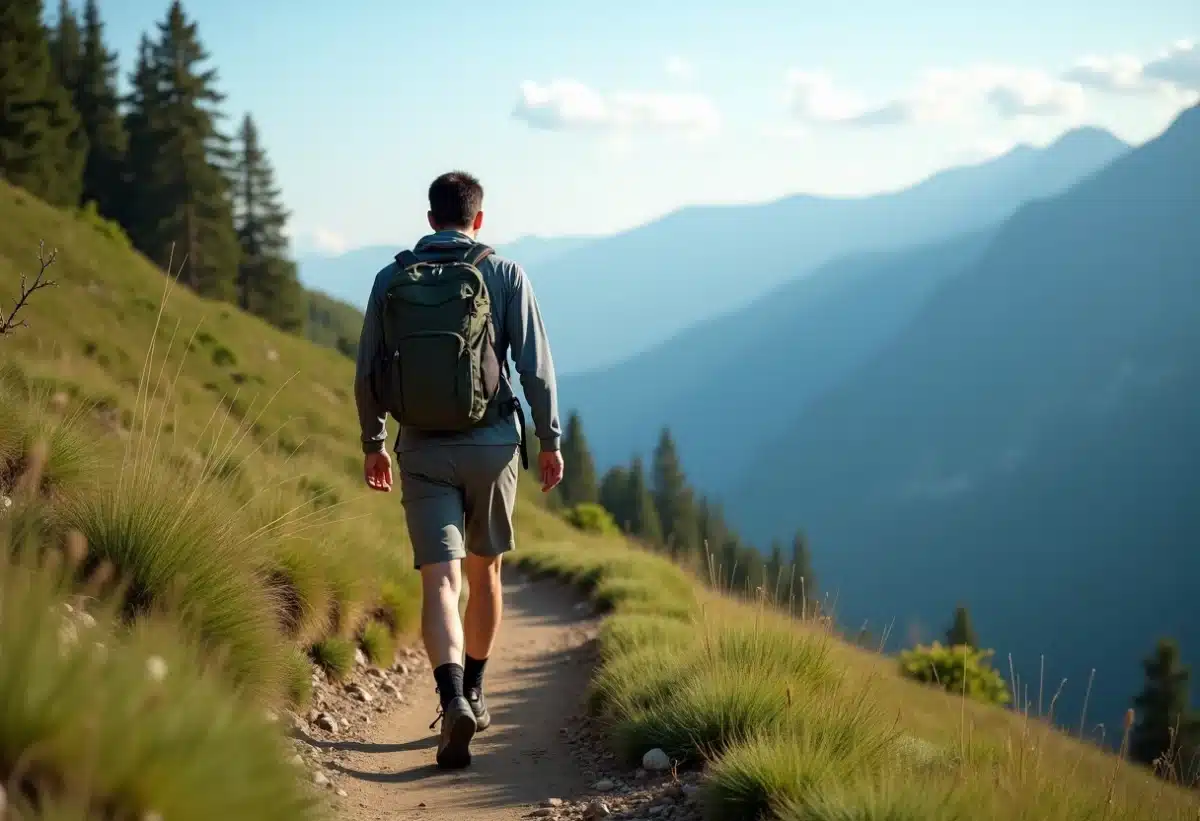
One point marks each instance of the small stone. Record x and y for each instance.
(156, 668)
(5, 503)
(271, 716)
(272, 355)
(401, 668)
(544, 812)
(603, 785)
(656, 760)
(595, 810)
(326, 722)
(376, 672)
(342, 793)
(390, 689)
(552, 802)
(360, 658)
(639, 774)
(85, 619)
(691, 791)
(320, 779)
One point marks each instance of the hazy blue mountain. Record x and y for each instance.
(728, 384)
(618, 297)
(348, 276)
(1029, 444)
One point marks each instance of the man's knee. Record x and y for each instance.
(441, 578)
(482, 570)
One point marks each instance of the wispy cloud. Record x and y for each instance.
(568, 105)
(1174, 72)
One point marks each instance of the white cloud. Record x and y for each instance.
(328, 242)
(680, 68)
(567, 105)
(940, 95)
(1173, 73)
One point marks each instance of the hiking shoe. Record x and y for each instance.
(458, 728)
(479, 707)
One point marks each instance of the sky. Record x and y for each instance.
(591, 118)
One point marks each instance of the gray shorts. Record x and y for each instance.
(458, 498)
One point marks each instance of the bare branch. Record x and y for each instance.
(11, 323)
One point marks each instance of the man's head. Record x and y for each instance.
(456, 203)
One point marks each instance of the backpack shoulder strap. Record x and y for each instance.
(406, 259)
(478, 253)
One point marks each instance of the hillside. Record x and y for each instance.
(665, 276)
(1028, 444)
(788, 348)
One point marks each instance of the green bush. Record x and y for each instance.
(110, 229)
(335, 656)
(378, 644)
(592, 518)
(959, 669)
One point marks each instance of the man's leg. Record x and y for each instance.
(485, 607)
(490, 481)
(434, 514)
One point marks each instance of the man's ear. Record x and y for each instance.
(432, 224)
(478, 223)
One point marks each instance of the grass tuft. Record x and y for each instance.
(378, 644)
(334, 655)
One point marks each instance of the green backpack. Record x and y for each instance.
(438, 370)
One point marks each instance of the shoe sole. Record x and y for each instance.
(483, 721)
(457, 752)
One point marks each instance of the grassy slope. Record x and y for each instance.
(798, 721)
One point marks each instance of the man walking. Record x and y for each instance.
(440, 322)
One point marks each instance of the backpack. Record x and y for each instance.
(438, 370)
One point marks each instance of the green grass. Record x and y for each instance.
(791, 722)
(334, 655)
(105, 722)
(378, 644)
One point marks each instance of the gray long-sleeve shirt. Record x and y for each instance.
(519, 329)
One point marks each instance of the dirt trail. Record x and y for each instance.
(535, 683)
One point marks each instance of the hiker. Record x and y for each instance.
(440, 322)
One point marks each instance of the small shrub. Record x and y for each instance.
(959, 669)
(223, 357)
(298, 684)
(400, 604)
(109, 229)
(592, 518)
(378, 644)
(334, 655)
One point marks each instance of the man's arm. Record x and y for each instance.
(372, 419)
(531, 354)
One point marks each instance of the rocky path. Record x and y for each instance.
(369, 742)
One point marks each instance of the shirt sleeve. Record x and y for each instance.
(372, 418)
(531, 355)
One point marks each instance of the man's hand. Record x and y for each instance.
(377, 470)
(550, 462)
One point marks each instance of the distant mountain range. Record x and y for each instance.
(1028, 443)
(348, 276)
(728, 383)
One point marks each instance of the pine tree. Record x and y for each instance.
(95, 93)
(961, 630)
(775, 577)
(39, 146)
(1163, 711)
(673, 498)
(66, 47)
(643, 519)
(805, 591)
(713, 529)
(614, 497)
(177, 162)
(579, 471)
(267, 282)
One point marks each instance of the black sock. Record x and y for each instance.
(473, 674)
(449, 678)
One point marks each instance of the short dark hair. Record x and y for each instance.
(454, 199)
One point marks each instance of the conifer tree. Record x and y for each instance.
(267, 282)
(961, 630)
(614, 497)
(713, 529)
(643, 519)
(805, 591)
(774, 571)
(177, 161)
(1164, 719)
(40, 149)
(96, 100)
(673, 498)
(579, 471)
(66, 47)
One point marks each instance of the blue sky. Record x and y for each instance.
(585, 117)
